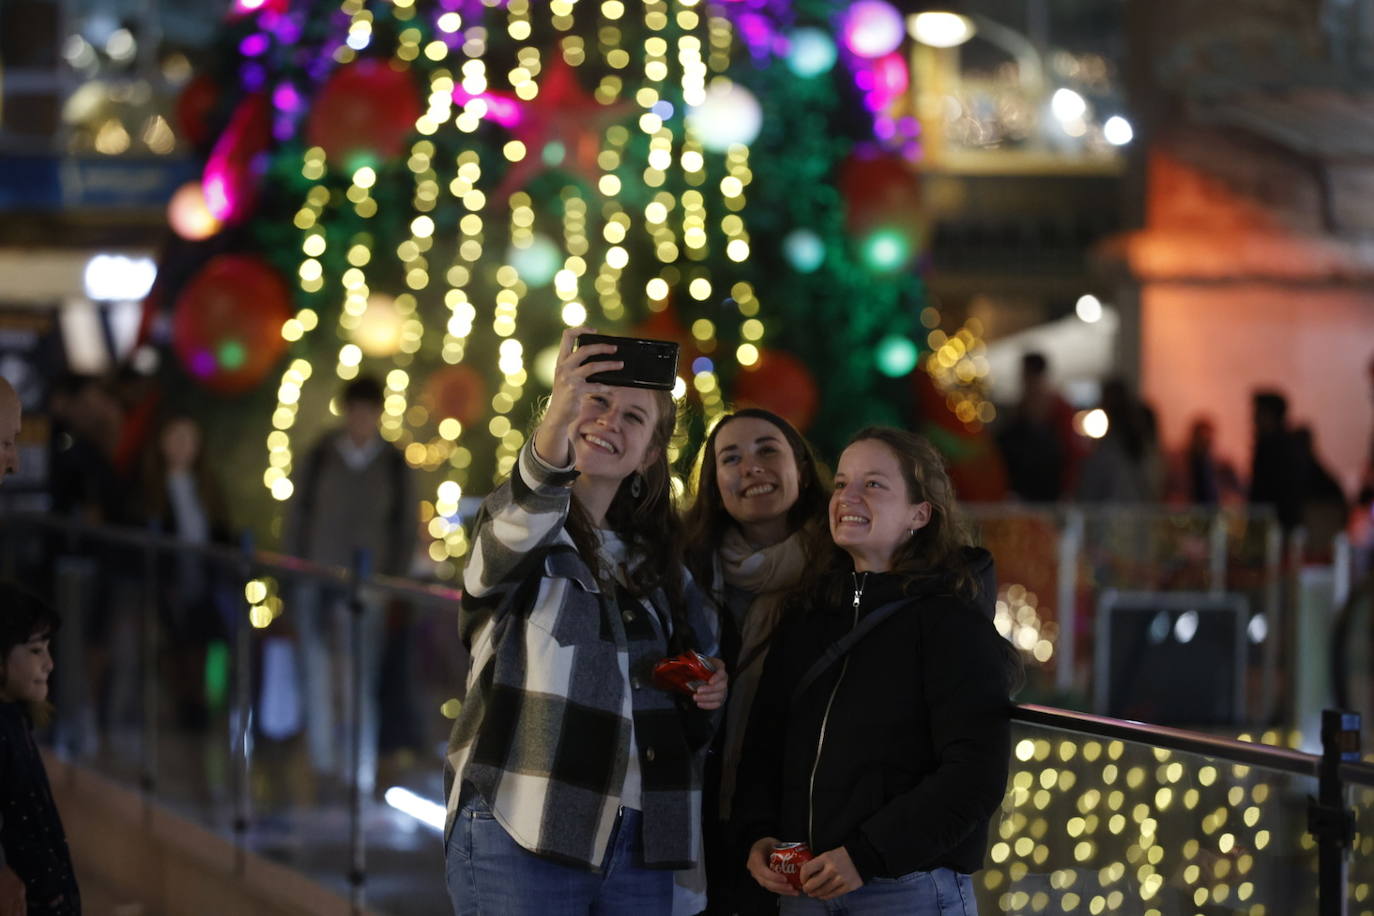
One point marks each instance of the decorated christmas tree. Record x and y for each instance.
(428, 192)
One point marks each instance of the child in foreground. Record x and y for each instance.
(36, 873)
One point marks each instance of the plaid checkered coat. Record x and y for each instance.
(542, 736)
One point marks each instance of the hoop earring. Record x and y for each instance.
(636, 485)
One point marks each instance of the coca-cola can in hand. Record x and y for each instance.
(787, 859)
(685, 672)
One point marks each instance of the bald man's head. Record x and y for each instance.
(10, 411)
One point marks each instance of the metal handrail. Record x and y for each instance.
(1248, 753)
(264, 561)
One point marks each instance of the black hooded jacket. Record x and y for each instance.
(899, 752)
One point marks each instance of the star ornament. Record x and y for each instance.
(561, 129)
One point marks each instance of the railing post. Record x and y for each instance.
(1273, 585)
(1329, 821)
(357, 875)
(1070, 547)
(1342, 564)
(1216, 558)
(148, 645)
(240, 748)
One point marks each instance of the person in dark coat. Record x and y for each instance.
(760, 498)
(1278, 468)
(354, 493)
(890, 761)
(36, 874)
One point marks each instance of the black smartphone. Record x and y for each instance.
(648, 363)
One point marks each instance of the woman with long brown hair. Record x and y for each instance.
(574, 781)
(759, 498)
(880, 733)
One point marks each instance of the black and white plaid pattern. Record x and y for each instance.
(542, 736)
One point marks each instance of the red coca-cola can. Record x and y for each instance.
(685, 672)
(787, 859)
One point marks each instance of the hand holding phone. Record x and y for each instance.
(571, 383)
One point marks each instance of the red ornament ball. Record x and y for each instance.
(878, 188)
(456, 391)
(781, 383)
(364, 114)
(195, 107)
(226, 326)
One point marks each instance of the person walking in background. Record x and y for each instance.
(36, 874)
(354, 493)
(1123, 466)
(1278, 469)
(1037, 439)
(11, 416)
(759, 503)
(182, 497)
(1323, 505)
(573, 779)
(881, 731)
(1201, 477)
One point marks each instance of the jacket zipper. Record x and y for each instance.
(825, 720)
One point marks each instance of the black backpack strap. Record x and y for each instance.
(841, 646)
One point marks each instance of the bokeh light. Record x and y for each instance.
(872, 28)
(804, 250)
(896, 355)
(810, 52)
(728, 115)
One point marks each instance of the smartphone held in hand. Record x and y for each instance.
(648, 363)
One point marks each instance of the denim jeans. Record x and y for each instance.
(489, 874)
(941, 892)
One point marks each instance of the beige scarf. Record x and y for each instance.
(768, 574)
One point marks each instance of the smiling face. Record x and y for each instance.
(757, 474)
(25, 675)
(871, 512)
(613, 433)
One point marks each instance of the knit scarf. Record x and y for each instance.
(767, 574)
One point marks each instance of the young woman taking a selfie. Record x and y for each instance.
(575, 783)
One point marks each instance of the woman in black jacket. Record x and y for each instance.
(890, 760)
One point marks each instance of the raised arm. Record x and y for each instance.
(528, 510)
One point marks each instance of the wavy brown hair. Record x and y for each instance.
(938, 551)
(649, 526)
(939, 548)
(706, 521)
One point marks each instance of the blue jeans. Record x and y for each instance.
(489, 874)
(941, 892)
